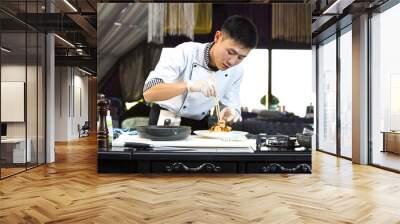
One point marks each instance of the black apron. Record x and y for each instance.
(194, 124)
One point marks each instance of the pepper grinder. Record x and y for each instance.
(103, 106)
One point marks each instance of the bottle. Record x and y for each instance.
(109, 127)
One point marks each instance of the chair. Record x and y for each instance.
(84, 129)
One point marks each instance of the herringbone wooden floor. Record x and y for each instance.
(71, 191)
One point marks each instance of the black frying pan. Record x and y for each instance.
(164, 132)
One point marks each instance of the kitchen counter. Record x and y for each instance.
(203, 160)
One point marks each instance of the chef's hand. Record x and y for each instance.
(205, 86)
(229, 114)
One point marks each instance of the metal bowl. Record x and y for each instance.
(164, 133)
(304, 140)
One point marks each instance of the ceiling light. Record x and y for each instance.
(70, 5)
(5, 50)
(337, 7)
(65, 41)
(84, 71)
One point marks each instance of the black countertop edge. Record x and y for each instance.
(237, 158)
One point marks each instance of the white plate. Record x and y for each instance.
(227, 136)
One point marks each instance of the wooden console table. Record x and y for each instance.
(391, 141)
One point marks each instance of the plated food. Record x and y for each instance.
(222, 135)
(221, 126)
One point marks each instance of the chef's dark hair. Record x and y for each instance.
(242, 30)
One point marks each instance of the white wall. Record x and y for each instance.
(81, 95)
(16, 73)
(33, 126)
(71, 102)
(10, 73)
(61, 103)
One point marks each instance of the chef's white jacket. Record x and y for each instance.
(188, 61)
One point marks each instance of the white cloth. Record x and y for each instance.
(186, 62)
(165, 114)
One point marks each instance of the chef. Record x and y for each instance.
(188, 81)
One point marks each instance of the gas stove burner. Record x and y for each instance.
(276, 141)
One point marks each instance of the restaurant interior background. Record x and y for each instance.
(277, 94)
